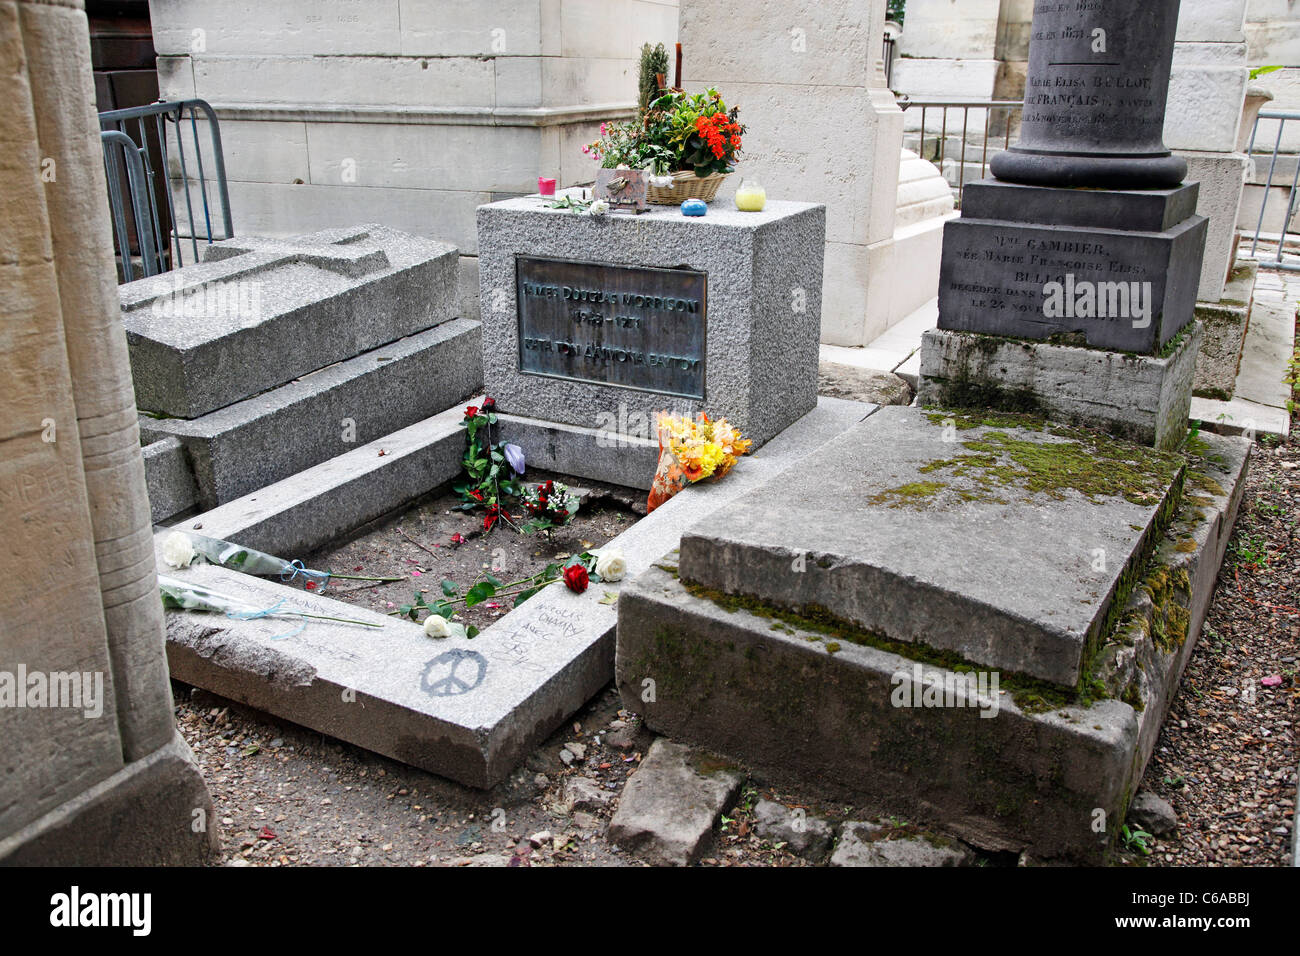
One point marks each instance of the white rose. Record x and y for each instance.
(435, 625)
(598, 208)
(611, 565)
(178, 550)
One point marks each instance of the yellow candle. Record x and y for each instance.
(751, 197)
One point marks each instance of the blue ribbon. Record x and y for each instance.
(296, 567)
(268, 612)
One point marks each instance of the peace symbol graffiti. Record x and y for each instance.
(449, 674)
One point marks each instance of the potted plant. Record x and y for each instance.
(689, 142)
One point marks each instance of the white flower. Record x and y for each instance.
(611, 565)
(435, 625)
(598, 207)
(178, 550)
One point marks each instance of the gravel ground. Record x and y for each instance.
(1227, 756)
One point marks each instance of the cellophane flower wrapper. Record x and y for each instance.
(227, 554)
(691, 450)
(188, 596)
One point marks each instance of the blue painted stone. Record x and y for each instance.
(694, 207)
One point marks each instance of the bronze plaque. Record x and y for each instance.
(626, 326)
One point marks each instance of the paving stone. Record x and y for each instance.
(583, 793)
(1006, 769)
(669, 806)
(870, 844)
(258, 313)
(806, 835)
(260, 440)
(862, 385)
(848, 547)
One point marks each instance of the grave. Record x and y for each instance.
(272, 355)
(963, 614)
(470, 709)
(588, 315)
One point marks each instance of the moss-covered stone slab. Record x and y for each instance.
(1004, 541)
(1020, 767)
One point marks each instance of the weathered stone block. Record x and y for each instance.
(1223, 325)
(260, 312)
(252, 443)
(1145, 399)
(762, 310)
(1012, 769)
(669, 806)
(847, 551)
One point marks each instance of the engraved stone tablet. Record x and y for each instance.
(616, 325)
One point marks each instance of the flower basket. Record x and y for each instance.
(686, 185)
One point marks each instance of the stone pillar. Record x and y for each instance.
(1095, 99)
(1086, 247)
(93, 770)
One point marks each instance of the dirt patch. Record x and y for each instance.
(432, 541)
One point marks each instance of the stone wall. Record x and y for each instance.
(406, 112)
(821, 126)
(1273, 39)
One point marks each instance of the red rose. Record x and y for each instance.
(476, 495)
(575, 578)
(489, 403)
(471, 411)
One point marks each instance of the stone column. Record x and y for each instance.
(67, 129)
(92, 770)
(1095, 98)
(1083, 255)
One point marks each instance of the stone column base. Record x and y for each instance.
(1140, 398)
(154, 811)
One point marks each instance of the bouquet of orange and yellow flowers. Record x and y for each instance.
(691, 450)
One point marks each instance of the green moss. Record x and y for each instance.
(1092, 465)
(1186, 546)
(1204, 482)
(907, 494)
(1031, 694)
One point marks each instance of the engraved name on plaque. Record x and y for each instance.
(625, 326)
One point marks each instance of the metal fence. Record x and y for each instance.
(958, 131)
(1274, 241)
(166, 192)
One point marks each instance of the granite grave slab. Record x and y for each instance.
(465, 709)
(1008, 767)
(258, 313)
(1027, 537)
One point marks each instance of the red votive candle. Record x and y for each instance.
(545, 186)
